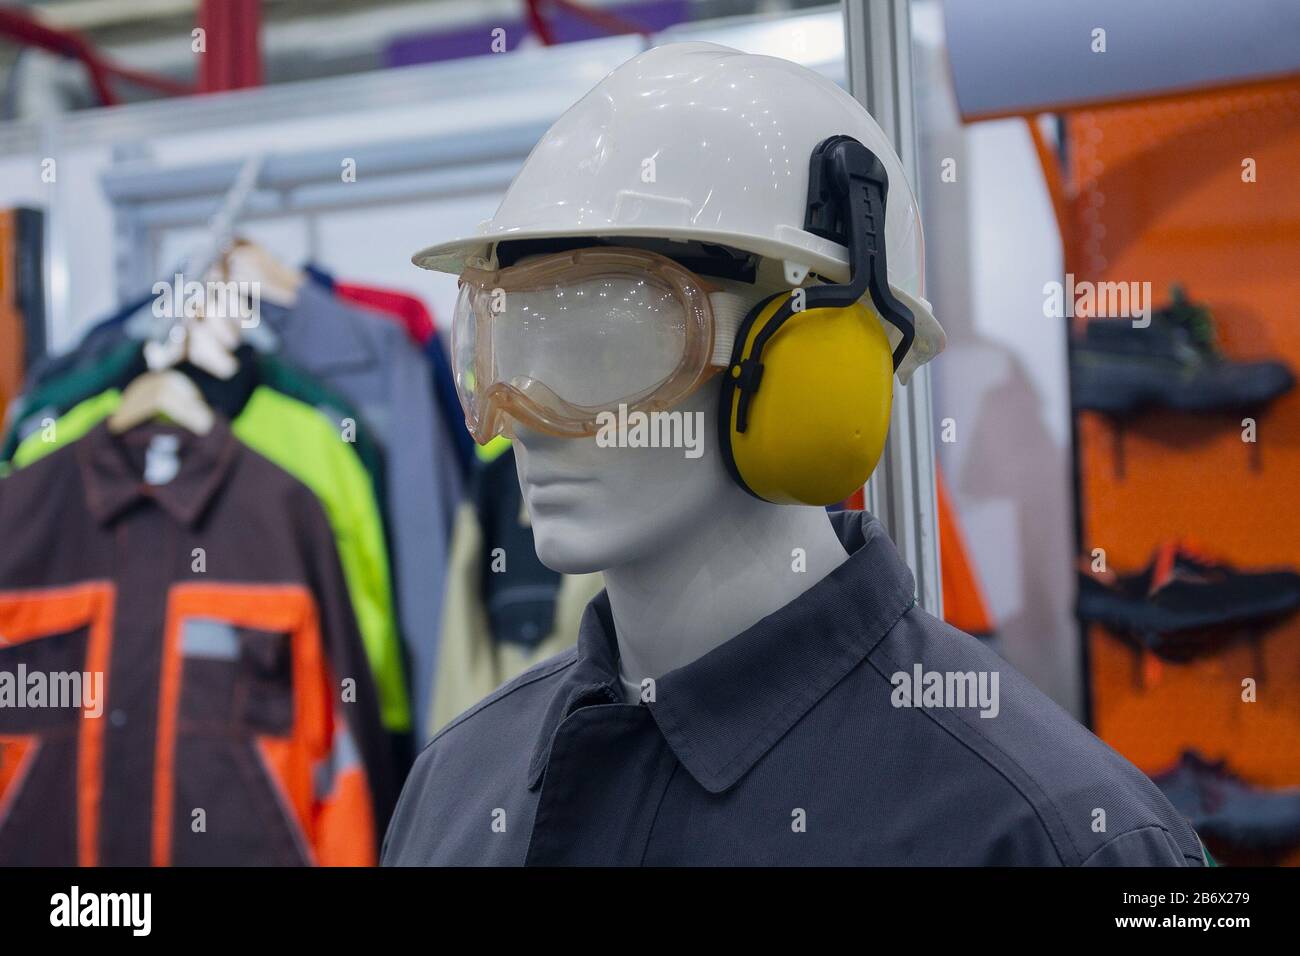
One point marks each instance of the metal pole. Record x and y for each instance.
(878, 64)
(55, 251)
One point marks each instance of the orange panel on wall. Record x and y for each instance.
(1158, 195)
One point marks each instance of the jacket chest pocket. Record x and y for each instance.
(235, 678)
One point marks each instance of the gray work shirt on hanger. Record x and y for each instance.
(785, 745)
(369, 360)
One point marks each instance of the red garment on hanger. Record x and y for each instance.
(964, 606)
(407, 309)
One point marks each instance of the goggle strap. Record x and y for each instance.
(729, 310)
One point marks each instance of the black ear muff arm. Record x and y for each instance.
(847, 190)
(847, 193)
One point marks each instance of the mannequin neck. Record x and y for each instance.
(738, 565)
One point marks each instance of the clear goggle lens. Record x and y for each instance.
(558, 340)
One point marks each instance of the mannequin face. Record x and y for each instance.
(594, 508)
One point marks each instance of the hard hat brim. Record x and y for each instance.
(827, 259)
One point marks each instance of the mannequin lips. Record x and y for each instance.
(556, 491)
(558, 499)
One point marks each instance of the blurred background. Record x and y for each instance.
(1113, 246)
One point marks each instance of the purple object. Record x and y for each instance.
(476, 40)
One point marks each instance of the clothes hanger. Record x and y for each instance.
(208, 341)
(205, 341)
(164, 391)
(247, 261)
(167, 393)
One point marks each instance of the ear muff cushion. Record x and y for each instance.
(818, 422)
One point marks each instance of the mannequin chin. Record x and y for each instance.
(594, 508)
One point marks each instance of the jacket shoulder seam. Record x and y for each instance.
(1169, 837)
(1032, 803)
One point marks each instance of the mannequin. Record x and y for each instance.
(666, 531)
(732, 697)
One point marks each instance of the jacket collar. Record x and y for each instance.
(788, 661)
(112, 467)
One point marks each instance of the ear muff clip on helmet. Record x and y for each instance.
(818, 431)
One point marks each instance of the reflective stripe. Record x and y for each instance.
(343, 756)
(206, 637)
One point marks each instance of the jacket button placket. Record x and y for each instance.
(608, 768)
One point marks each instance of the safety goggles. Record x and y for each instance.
(556, 340)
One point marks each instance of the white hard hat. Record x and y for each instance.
(697, 141)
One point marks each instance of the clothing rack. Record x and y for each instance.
(147, 199)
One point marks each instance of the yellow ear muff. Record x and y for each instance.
(818, 403)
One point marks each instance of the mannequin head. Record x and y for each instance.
(693, 126)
